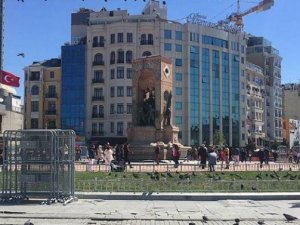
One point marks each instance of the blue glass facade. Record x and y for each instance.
(225, 96)
(216, 90)
(205, 94)
(73, 88)
(235, 95)
(194, 94)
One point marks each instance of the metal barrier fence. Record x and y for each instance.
(188, 185)
(185, 167)
(38, 163)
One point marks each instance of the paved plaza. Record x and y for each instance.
(98, 211)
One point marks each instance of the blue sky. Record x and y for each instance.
(39, 28)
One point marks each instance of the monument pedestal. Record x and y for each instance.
(140, 138)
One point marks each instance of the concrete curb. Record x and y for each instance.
(169, 196)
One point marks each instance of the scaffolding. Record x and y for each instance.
(38, 164)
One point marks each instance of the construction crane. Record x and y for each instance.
(237, 17)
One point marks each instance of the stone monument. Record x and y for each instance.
(152, 83)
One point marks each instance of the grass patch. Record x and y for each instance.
(188, 182)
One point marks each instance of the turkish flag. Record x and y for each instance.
(9, 79)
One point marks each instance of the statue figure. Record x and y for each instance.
(147, 110)
(167, 111)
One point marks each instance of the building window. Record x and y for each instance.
(112, 74)
(167, 34)
(120, 72)
(112, 58)
(34, 123)
(168, 47)
(120, 56)
(112, 38)
(95, 110)
(120, 37)
(178, 62)
(129, 57)
(178, 48)
(101, 41)
(112, 91)
(34, 90)
(112, 127)
(208, 40)
(178, 105)
(146, 53)
(112, 108)
(129, 91)
(178, 35)
(98, 75)
(51, 74)
(94, 128)
(100, 128)
(178, 76)
(51, 106)
(150, 39)
(120, 108)
(120, 91)
(178, 120)
(34, 106)
(178, 91)
(129, 38)
(98, 59)
(143, 39)
(98, 92)
(101, 110)
(120, 128)
(129, 108)
(51, 90)
(129, 73)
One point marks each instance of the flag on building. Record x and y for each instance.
(9, 79)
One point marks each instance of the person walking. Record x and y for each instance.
(226, 153)
(99, 154)
(212, 159)
(203, 156)
(176, 155)
(156, 153)
(222, 157)
(108, 157)
(127, 154)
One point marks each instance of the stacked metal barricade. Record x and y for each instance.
(38, 163)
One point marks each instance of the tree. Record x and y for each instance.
(219, 138)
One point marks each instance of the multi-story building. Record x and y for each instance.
(255, 104)
(208, 63)
(260, 52)
(42, 94)
(291, 113)
(11, 111)
(291, 101)
(73, 81)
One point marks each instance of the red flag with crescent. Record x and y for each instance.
(9, 79)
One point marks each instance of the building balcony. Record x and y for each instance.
(98, 98)
(146, 42)
(50, 112)
(97, 115)
(51, 95)
(98, 81)
(97, 133)
(98, 44)
(98, 63)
